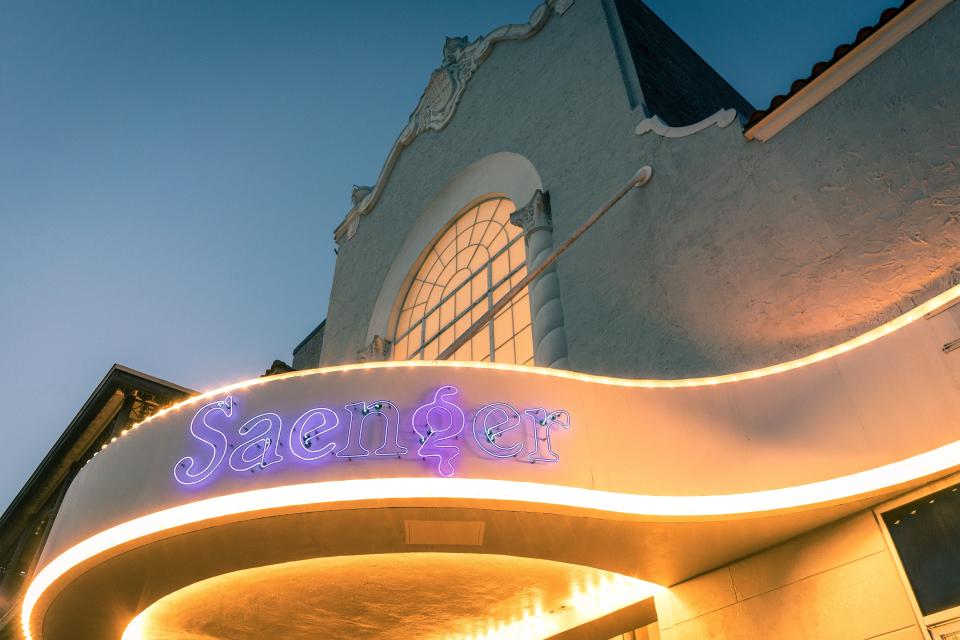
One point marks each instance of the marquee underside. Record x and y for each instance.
(653, 480)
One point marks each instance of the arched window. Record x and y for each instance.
(471, 266)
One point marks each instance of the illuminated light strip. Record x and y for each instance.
(318, 493)
(916, 313)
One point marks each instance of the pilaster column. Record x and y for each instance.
(549, 336)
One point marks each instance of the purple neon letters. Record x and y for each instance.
(366, 430)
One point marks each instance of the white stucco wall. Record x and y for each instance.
(737, 254)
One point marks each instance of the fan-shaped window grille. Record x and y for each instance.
(471, 266)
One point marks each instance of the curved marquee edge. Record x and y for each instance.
(865, 482)
(931, 305)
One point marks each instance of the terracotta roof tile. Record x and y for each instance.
(820, 67)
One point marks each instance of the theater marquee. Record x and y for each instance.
(431, 432)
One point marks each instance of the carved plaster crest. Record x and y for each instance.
(461, 58)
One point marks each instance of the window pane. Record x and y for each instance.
(404, 323)
(521, 311)
(481, 344)
(400, 350)
(466, 221)
(447, 252)
(463, 299)
(445, 339)
(462, 325)
(502, 328)
(476, 235)
(487, 209)
(501, 291)
(524, 346)
(447, 313)
(501, 268)
(434, 299)
(518, 276)
(463, 239)
(517, 256)
(478, 310)
(463, 353)
(432, 324)
(453, 280)
(433, 274)
(492, 231)
(505, 353)
(478, 286)
(499, 241)
(413, 344)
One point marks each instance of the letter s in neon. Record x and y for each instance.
(186, 471)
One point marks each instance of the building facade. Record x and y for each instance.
(609, 353)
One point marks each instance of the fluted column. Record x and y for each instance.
(549, 336)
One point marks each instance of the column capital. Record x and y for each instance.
(535, 215)
(378, 350)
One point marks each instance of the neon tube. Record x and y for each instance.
(864, 482)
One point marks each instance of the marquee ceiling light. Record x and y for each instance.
(931, 305)
(211, 509)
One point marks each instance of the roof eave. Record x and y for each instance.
(843, 69)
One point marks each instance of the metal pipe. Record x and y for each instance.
(638, 180)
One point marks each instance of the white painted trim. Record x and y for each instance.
(885, 38)
(722, 119)
(504, 174)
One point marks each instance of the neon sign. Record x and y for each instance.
(366, 430)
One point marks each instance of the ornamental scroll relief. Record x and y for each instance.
(461, 58)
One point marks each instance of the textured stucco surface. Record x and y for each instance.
(737, 254)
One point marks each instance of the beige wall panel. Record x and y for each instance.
(723, 624)
(862, 599)
(701, 595)
(851, 539)
(909, 633)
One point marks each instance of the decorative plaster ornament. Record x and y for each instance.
(461, 59)
(722, 119)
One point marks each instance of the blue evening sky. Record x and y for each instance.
(171, 172)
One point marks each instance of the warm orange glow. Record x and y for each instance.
(498, 596)
(467, 489)
(862, 483)
(469, 268)
(918, 312)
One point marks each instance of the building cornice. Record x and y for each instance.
(461, 58)
(840, 71)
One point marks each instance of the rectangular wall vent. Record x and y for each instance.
(458, 532)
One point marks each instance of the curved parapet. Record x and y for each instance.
(655, 480)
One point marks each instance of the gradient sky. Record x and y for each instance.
(171, 172)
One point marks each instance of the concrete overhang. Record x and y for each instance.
(653, 480)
